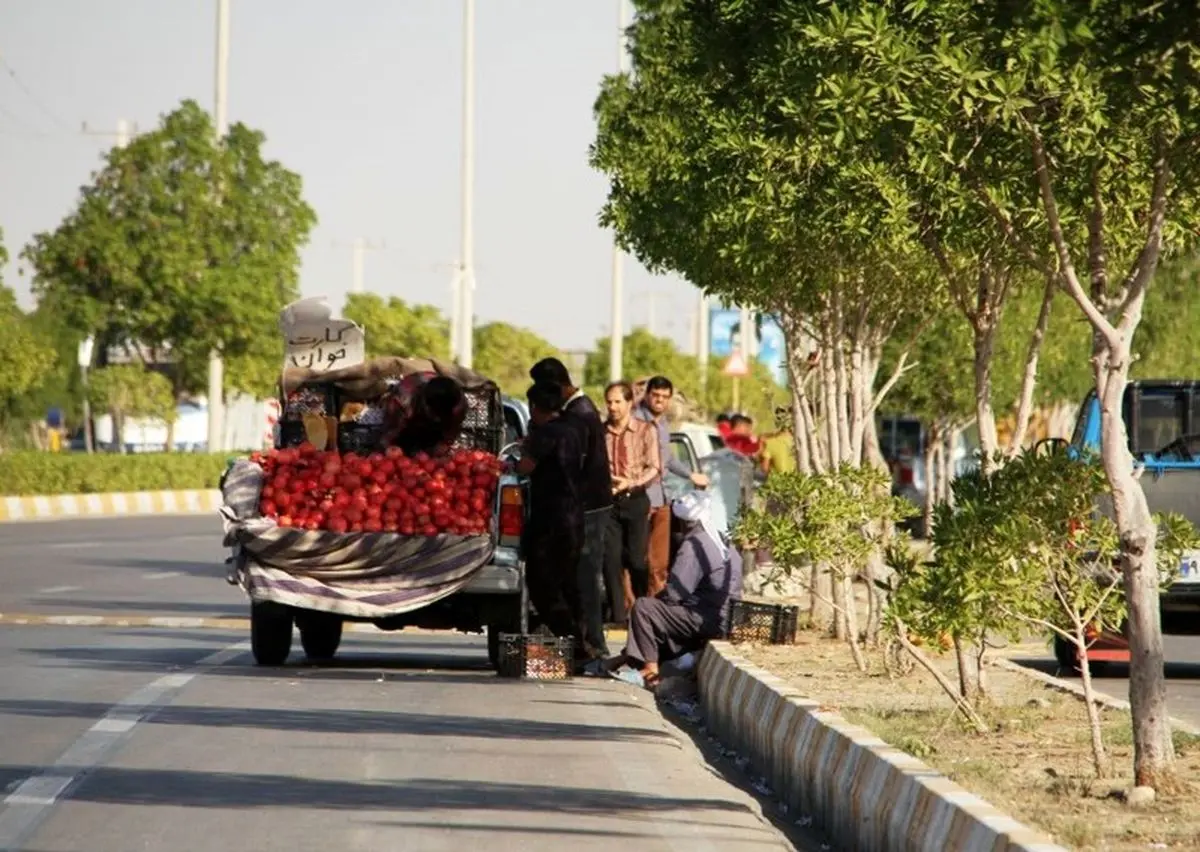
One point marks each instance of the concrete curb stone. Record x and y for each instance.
(115, 505)
(1077, 690)
(863, 792)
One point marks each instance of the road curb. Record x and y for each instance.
(1075, 689)
(863, 792)
(114, 505)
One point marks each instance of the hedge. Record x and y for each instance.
(33, 473)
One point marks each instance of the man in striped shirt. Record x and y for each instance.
(634, 465)
(653, 410)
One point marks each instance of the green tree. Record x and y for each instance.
(131, 390)
(182, 242)
(397, 328)
(504, 353)
(714, 176)
(27, 359)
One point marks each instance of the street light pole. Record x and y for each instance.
(465, 297)
(616, 346)
(216, 367)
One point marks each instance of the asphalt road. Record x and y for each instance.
(1182, 670)
(114, 739)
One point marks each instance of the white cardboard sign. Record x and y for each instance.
(317, 340)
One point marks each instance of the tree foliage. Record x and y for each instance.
(395, 327)
(181, 242)
(27, 358)
(130, 390)
(504, 353)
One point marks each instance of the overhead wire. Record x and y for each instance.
(29, 93)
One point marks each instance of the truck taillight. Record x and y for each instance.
(512, 512)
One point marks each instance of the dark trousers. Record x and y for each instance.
(552, 577)
(625, 547)
(660, 631)
(591, 581)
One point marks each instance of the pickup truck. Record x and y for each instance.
(1162, 417)
(490, 601)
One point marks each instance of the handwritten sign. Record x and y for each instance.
(317, 340)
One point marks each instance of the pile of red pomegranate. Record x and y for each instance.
(386, 492)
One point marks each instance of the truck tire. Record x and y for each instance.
(320, 634)
(270, 633)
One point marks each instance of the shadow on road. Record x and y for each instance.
(163, 608)
(207, 569)
(183, 788)
(346, 721)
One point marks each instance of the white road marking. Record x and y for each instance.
(162, 575)
(58, 590)
(30, 803)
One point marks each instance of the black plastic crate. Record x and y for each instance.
(536, 657)
(483, 426)
(766, 624)
(360, 438)
(291, 433)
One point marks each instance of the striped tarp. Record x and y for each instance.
(365, 575)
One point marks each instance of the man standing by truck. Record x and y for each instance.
(653, 409)
(553, 536)
(595, 493)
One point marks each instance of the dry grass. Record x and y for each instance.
(1036, 762)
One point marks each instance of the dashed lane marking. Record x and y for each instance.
(28, 805)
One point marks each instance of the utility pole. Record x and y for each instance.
(358, 248)
(464, 296)
(216, 367)
(121, 137)
(616, 346)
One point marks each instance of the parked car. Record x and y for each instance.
(1162, 418)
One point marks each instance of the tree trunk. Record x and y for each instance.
(859, 388)
(1154, 753)
(839, 604)
(946, 467)
(1029, 379)
(847, 582)
(797, 367)
(841, 412)
(829, 383)
(932, 480)
(871, 451)
(1099, 753)
(820, 613)
(965, 687)
(118, 429)
(985, 340)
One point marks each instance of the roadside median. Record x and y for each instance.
(863, 792)
(111, 505)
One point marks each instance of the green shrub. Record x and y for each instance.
(32, 473)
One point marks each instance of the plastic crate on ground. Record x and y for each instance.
(764, 623)
(536, 657)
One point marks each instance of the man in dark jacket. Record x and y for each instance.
(553, 537)
(595, 491)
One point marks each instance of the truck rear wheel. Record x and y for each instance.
(320, 634)
(270, 633)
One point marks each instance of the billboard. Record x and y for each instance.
(768, 347)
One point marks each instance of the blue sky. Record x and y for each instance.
(363, 99)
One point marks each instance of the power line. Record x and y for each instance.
(12, 72)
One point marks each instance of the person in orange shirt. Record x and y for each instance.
(633, 460)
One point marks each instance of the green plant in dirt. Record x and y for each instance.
(829, 523)
(1023, 545)
(1062, 572)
